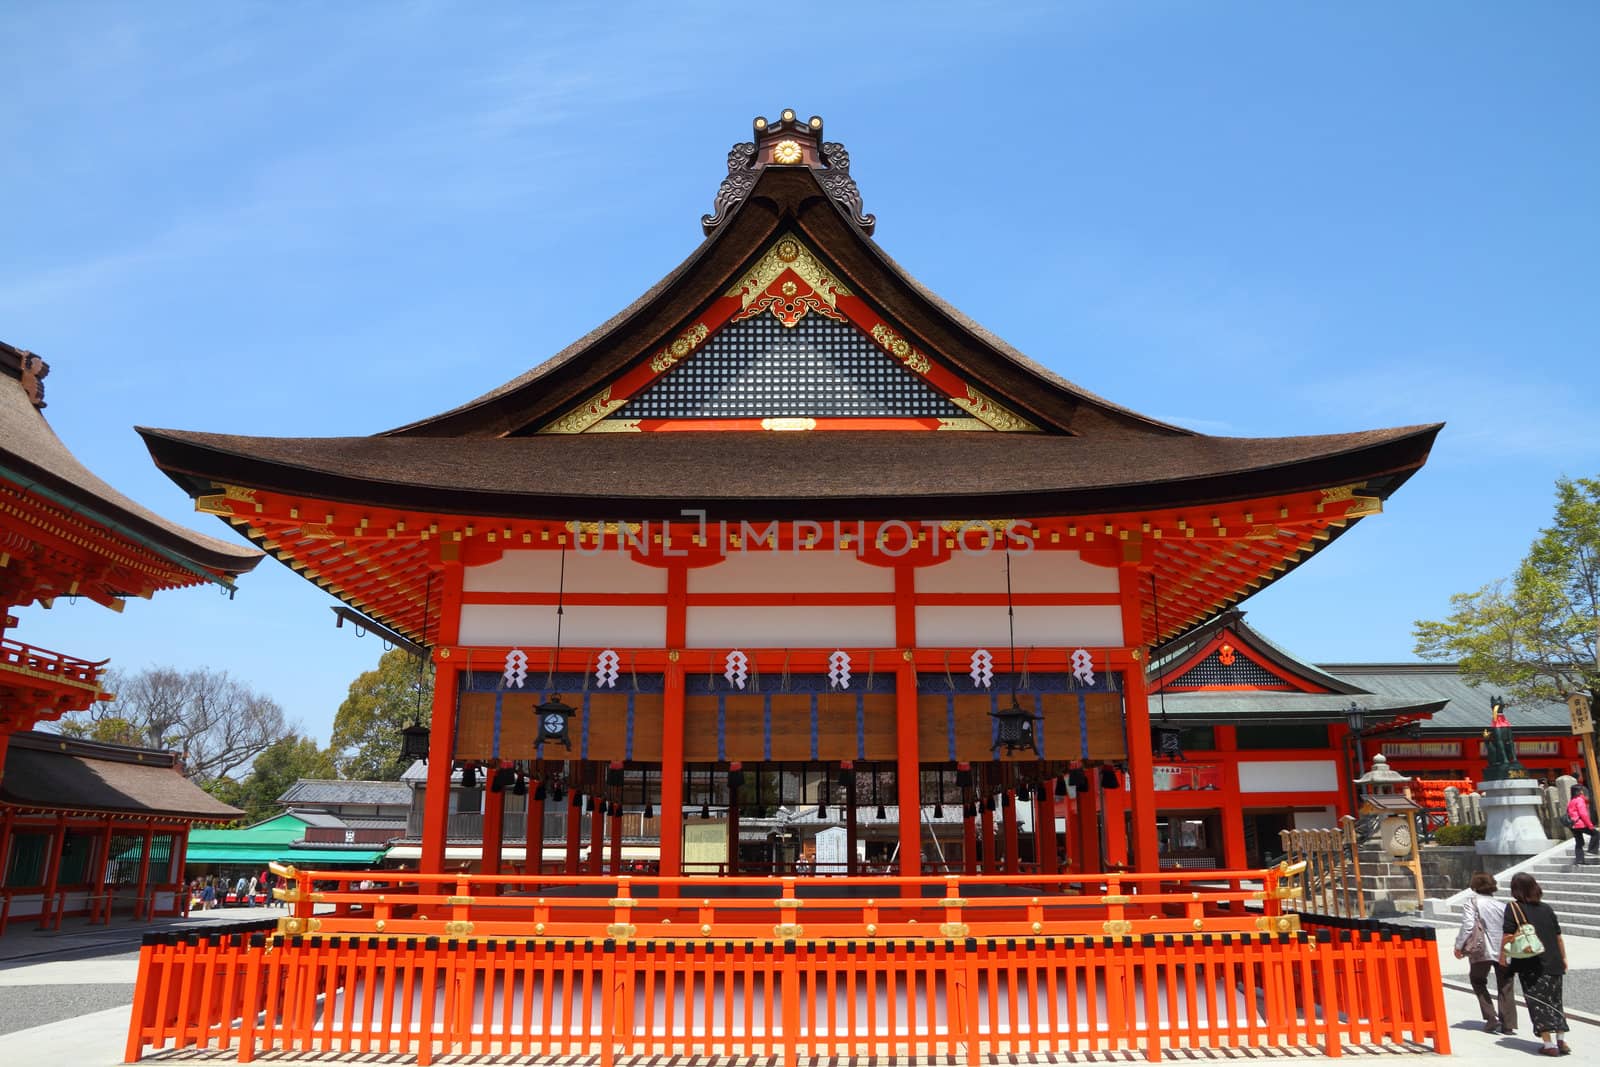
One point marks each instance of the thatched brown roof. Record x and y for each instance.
(865, 474)
(50, 772)
(34, 458)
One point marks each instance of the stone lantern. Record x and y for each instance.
(1385, 796)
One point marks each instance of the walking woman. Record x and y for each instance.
(1581, 816)
(1540, 975)
(1483, 916)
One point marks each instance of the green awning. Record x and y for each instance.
(261, 855)
(331, 857)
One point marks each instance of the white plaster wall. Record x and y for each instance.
(539, 571)
(583, 626)
(820, 627)
(791, 572)
(1040, 571)
(960, 626)
(1288, 776)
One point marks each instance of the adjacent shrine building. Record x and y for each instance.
(84, 828)
(791, 532)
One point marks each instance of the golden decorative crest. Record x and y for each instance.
(786, 152)
(900, 348)
(991, 412)
(586, 414)
(688, 342)
(789, 424)
(788, 302)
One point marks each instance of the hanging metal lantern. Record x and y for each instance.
(414, 743)
(554, 716)
(1014, 730)
(1167, 742)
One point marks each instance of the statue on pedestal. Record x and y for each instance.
(1500, 746)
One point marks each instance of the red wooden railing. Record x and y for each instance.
(942, 976)
(43, 661)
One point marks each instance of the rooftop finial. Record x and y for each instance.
(788, 142)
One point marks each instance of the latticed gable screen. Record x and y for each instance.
(1241, 673)
(818, 368)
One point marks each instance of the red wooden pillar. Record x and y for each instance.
(52, 868)
(969, 841)
(671, 815)
(103, 854)
(574, 840)
(144, 877)
(1136, 710)
(996, 858)
(533, 831)
(1008, 816)
(597, 830)
(1234, 855)
(851, 863)
(1114, 809)
(1044, 828)
(442, 728)
(1088, 829)
(616, 839)
(908, 773)
(732, 827)
(494, 815)
(5, 829)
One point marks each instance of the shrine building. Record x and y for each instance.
(789, 534)
(796, 512)
(85, 829)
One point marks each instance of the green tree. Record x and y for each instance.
(1533, 634)
(274, 771)
(382, 702)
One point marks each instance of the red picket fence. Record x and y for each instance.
(1336, 984)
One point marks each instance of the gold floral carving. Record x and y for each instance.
(900, 348)
(1337, 493)
(688, 342)
(787, 152)
(991, 412)
(586, 414)
(964, 424)
(788, 254)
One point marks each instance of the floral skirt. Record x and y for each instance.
(1542, 992)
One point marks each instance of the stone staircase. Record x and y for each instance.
(1574, 892)
(1388, 887)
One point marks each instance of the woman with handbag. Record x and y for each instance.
(1538, 956)
(1482, 917)
(1581, 819)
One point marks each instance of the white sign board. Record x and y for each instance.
(833, 852)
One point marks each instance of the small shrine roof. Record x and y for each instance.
(35, 459)
(1466, 709)
(50, 772)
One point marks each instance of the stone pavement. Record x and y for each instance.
(66, 997)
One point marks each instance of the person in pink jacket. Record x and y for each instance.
(1582, 818)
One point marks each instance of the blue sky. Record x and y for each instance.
(1252, 219)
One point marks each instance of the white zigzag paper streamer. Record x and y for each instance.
(516, 667)
(982, 669)
(605, 669)
(738, 668)
(1083, 666)
(839, 669)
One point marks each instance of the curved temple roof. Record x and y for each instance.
(34, 459)
(556, 443)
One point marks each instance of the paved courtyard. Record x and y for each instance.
(65, 996)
